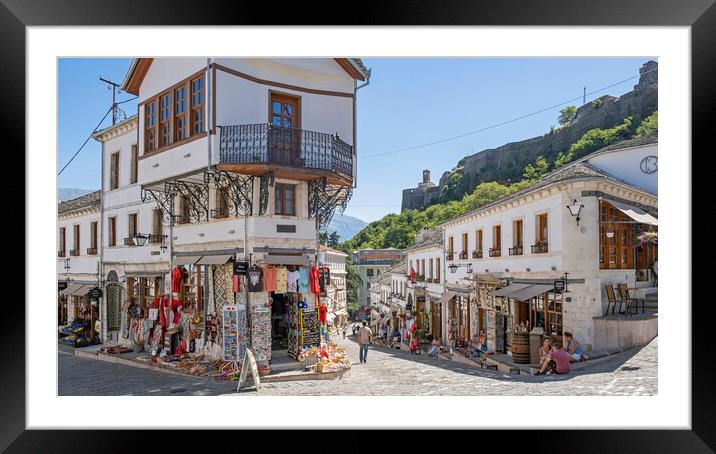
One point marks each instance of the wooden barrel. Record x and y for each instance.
(521, 348)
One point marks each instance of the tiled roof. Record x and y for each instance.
(433, 238)
(400, 268)
(89, 200)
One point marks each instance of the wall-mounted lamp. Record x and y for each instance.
(141, 239)
(453, 267)
(574, 209)
(67, 264)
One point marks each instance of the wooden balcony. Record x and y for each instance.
(256, 149)
(517, 250)
(477, 254)
(497, 252)
(539, 248)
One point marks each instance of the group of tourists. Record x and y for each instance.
(555, 359)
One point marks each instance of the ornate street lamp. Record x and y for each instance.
(454, 266)
(141, 239)
(574, 209)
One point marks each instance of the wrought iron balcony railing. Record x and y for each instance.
(268, 144)
(60, 253)
(449, 257)
(517, 250)
(495, 252)
(91, 251)
(463, 255)
(129, 242)
(540, 248)
(75, 252)
(477, 254)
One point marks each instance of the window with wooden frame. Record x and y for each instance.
(150, 129)
(165, 119)
(157, 226)
(181, 116)
(422, 265)
(112, 227)
(222, 203)
(134, 168)
(192, 292)
(76, 240)
(114, 170)
(62, 250)
(431, 269)
(478, 241)
(132, 225)
(437, 270)
(541, 234)
(184, 210)
(285, 199)
(93, 239)
(197, 105)
(463, 254)
(616, 239)
(517, 235)
(496, 249)
(451, 248)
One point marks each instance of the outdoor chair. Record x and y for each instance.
(612, 300)
(631, 303)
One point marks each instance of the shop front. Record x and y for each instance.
(79, 303)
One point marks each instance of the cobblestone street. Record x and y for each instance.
(387, 372)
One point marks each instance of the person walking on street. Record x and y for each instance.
(364, 339)
(344, 331)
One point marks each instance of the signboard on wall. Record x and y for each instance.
(241, 267)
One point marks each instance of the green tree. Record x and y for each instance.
(353, 283)
(566, 115)
(534, 172)
(648, 126)
(333, 239)
(593, 140)
(484, 194)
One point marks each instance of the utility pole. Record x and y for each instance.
(584, 96)
(115, 87)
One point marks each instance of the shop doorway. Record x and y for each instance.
(279, 321)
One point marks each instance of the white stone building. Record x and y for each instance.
(78, 242)
(228, 159)
(425, 260)
(370, 263)
(532, 238)
(337, 302)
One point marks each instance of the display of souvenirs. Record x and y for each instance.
(281, 279)
(230, 333)
(256, 279)
(293, 277)
(303, 280)
(270, 279)
(260, 331)
(293, 343)
(309, 328)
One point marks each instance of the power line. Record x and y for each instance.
(85, 142)
(401, 150)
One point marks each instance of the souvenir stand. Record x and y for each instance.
(490, 315)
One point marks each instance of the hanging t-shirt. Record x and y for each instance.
(235, 283)
(176, 310)
(322, 312)
(303, 280)
(176, 279)
(270, 279)
(293, 277)
(281, 279)
(323, 281)
(256, 279)
(314, 278)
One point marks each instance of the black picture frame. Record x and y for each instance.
(700, 15)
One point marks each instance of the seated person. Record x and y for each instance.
(544, 351)
(574, 348)
(434, 348)
(396, 338)
(557, 361)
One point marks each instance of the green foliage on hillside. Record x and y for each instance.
(593, 140)
(649, 126)
(566, 115)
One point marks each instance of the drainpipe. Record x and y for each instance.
(355, 135)
(207, 104)
(100, 245)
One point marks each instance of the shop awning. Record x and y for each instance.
(214, 260)
(287, 260)
(77, 289)
(523, 292)
(447, 296)
(635, 213)
(186, 259)
(505, 291)
(485, 278)
(138, 274)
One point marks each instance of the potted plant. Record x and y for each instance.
(449, 254)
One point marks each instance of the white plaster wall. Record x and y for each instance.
(176, 161)
(165, 72)
(626, 165)
(82, 264)
(552, 203)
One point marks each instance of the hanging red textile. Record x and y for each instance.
(176, 279)
(163, 312)
(412, 275)
(235, 283)
(175, 308)
(314, 277)
(322, 312)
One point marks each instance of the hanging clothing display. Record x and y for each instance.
(281, 279)
(322, 313)
(176, 310)
(303, 279)
(324, 279)
(314, 278)
(256, 279)
(293, 277)
(270, 279)
(177, 274)
(235, 283)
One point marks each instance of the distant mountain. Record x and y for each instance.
(346, 226)
(65, 194)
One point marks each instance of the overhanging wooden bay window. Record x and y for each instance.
(175, 115)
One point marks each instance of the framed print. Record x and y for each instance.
(458, 205)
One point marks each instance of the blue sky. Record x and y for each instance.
(408, 102)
